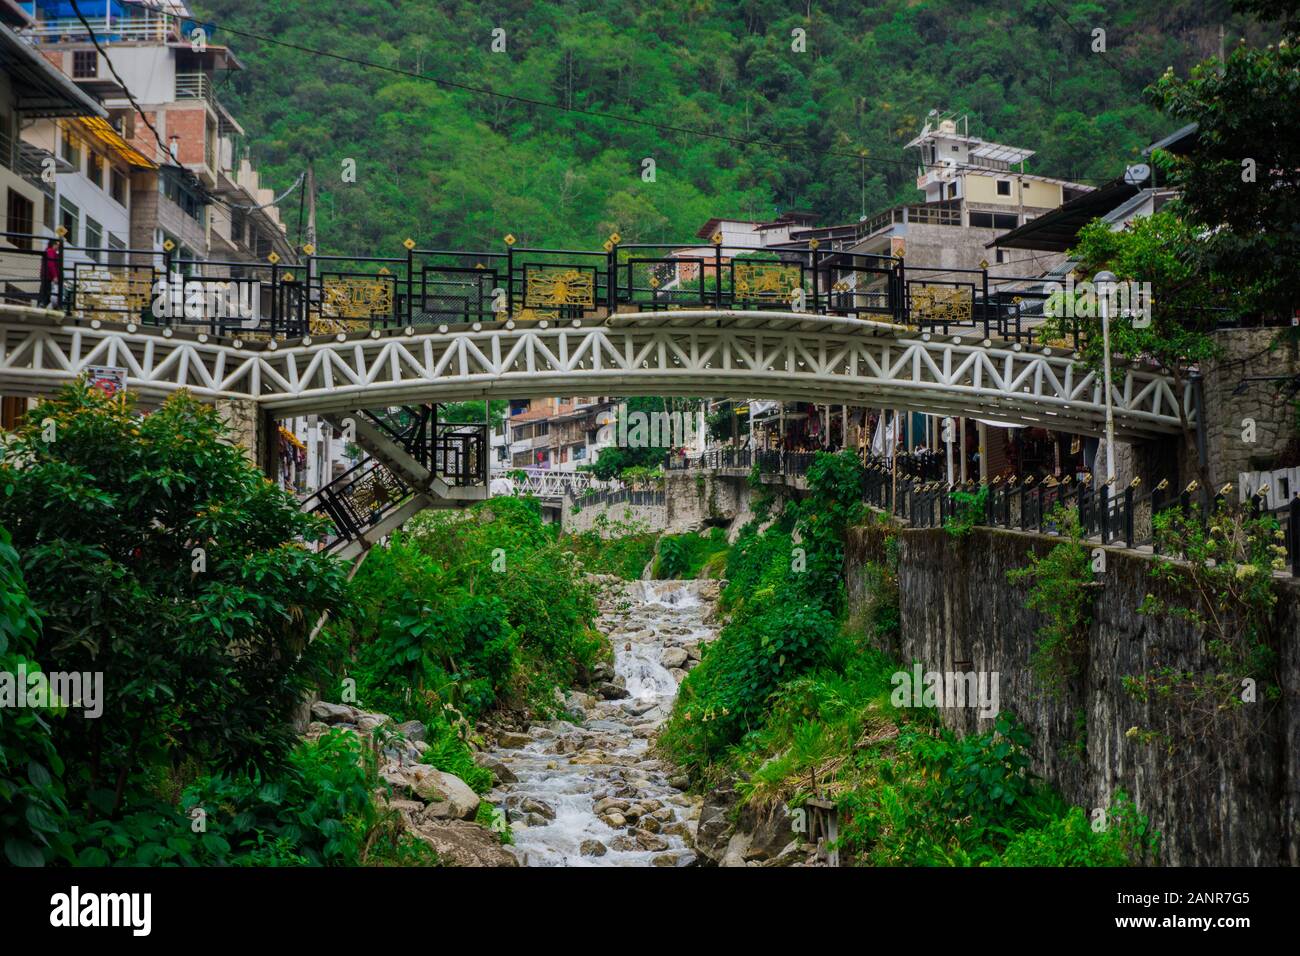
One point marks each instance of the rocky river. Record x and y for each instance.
(589, 792)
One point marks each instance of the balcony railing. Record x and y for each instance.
(147, 27)
(195, 86)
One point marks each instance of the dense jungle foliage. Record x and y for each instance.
(455, 167)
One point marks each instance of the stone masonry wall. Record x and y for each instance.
(1230, 801)
(1248, 353)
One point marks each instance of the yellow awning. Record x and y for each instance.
(112, 140)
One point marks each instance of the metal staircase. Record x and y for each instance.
(415, 462)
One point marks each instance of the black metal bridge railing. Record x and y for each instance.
(366, 495)
(321, 295)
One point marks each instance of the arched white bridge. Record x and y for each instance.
(778, 355)
(542, 483)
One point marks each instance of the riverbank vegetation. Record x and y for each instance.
(792, 703)
(464, 614)
(143, 550)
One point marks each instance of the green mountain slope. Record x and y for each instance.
(456, 168)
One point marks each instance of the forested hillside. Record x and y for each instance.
(457, 167)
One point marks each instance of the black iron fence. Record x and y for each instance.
(1110, 516)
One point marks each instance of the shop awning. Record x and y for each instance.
(102, 131)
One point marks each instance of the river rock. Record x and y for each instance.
(711, 832)
(413, 730)
(460, 843)
(593, 848)
(538, 807)
(578, 702)
(673, 657)
(368, 723)
(611, 691)
(650, 841)
(607, 804)
(512, 740)
(664, 859)
(329, 713)
(500, 772)
(448, 796)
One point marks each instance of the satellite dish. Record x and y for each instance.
(1137, 174)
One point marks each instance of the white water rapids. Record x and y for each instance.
(590, 793)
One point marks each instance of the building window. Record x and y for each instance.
(1004, 221)
(95, 168)
(94, 238)
(85, 64)
(70, 150)
(69, 219)
(171, 186)
(999, 257)
(47, 211)
(117, 183)
(981, 220)
(1004, 187)
(19, 219)
(116, 251)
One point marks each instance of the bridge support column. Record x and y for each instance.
(253, 430)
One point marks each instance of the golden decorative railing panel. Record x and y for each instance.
(556, 287)
(353, 298)
(765, 280)
(940, 305)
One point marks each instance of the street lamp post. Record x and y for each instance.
(1106, 280)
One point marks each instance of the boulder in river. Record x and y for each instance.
(608, 690)
(500, 772)
(673, 657)
(460, 843)
(447, 796)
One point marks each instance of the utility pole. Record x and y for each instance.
(311, 205)
(1103, 282)
(310, 186)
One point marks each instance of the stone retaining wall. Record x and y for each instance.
(1234, 802)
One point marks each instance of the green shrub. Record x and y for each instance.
(151, 548)
(967, 511)
(317, 811)
(1060, 591)
(33, 815)
(686, 555)
(472, 611)
(1071, 840)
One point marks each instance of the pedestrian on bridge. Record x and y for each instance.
(51, 271)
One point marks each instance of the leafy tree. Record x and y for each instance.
(1241, 181)
(32, 811)
(1161, 250)
(160, 557)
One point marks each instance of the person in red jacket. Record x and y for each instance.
(51, 270)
